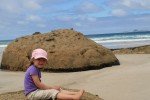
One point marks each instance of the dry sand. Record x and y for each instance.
(128, 81)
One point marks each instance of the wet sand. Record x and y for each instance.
(128, 81)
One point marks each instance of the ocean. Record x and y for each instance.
(111, 40)
(122, 40)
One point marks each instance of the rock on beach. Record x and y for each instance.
(68, 50)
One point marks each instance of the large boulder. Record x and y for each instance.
(68, 50)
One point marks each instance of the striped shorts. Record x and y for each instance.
(43, 94)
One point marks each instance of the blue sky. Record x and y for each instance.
(24, 17)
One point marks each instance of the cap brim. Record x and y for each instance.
(37, 57)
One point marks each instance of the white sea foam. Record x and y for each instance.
(3, 46)
(114, 45)
(120, 38)
(115, 40)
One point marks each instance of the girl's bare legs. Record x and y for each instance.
(66, 95)
(68, 92)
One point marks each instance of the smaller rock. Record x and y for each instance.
(71, 28)
(133, 50)
(36, 33)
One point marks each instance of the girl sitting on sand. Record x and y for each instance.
(35, 89)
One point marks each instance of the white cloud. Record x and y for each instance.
(78, 24)
(22, 22)
(145, 4)
(9, 6)
(88, 7)
(128, 7)
(86, 18)
(119, 12)
(18, 6)
(130, 4)
(41, 25)
(64, 18)
(135, 4)
(31, 5)
(33, 18)
(92, 19)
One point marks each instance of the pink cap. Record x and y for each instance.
(39, 53)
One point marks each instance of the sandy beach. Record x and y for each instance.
(128, 81)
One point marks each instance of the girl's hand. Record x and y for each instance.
(57, 87)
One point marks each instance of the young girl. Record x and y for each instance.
(35, 89)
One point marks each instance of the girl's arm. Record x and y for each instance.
(41, 85)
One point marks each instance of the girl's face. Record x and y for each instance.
(40, 62)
